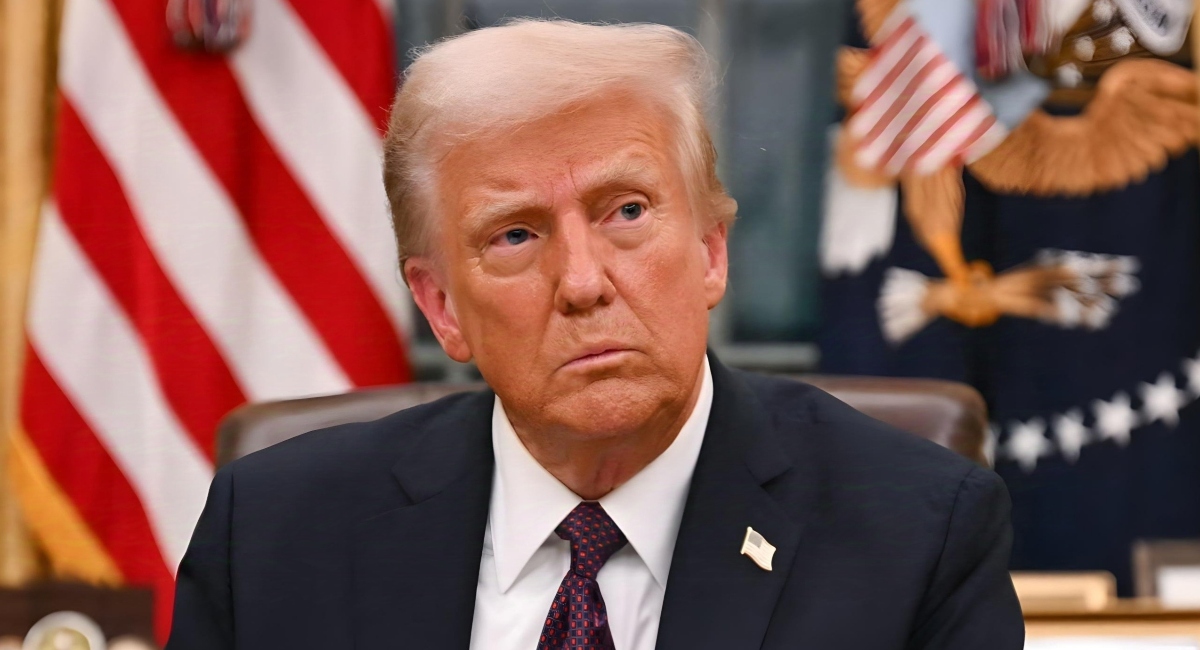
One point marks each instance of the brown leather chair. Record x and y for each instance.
(950, 414)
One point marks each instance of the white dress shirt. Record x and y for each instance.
(524, 560)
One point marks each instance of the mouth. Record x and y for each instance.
(598, 356)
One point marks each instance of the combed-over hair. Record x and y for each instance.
(510, 75)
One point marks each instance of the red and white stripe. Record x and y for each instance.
(217, 232)
(913, 110)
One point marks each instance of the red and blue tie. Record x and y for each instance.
(577, 617)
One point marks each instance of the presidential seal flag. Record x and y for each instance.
(216, 232)
(1056, 268)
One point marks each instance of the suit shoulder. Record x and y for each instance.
(877, 487)
(354, 449)
(810, 420)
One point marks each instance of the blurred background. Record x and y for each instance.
(1000, 195)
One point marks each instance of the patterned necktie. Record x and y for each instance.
(577, 617)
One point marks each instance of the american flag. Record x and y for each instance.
(912, 109)
(216, 232)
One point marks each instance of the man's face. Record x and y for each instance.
(573, 269)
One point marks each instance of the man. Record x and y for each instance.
(560, 223)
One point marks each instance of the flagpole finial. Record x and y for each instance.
(209, 25)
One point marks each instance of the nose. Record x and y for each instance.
(583, 281)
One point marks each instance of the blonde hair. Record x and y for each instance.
(503, 77)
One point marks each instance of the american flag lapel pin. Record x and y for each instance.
(757, 548)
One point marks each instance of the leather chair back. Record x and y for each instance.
(950, 414)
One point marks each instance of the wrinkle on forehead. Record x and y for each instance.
(631, 170)
(620, 143)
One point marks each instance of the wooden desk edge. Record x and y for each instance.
(1124, 610)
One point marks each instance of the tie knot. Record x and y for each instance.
(594, 537)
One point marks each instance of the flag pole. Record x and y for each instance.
(1194, 37)
(26, 105)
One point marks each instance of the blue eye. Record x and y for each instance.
(631, 211)
(516, 236)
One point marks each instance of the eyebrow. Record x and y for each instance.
(498, 205)
(624, 173)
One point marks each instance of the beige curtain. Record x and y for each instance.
(28, 42)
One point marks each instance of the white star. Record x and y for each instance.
(1122, 40)
(1115, 419)
(1162, 400)
(1191, 368)
(1085, 48)
(1071, 434)
(1028, 443)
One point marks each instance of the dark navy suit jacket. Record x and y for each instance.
(370, 535)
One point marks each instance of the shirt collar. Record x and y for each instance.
(528, 503)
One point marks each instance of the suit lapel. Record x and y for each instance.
(716, 597)
(416, 566)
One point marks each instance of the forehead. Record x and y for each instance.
(606, 140)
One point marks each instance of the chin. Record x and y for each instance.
(613, 407)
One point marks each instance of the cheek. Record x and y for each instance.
(664, 280)
(510, 309)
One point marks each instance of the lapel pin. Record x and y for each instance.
(757, 548)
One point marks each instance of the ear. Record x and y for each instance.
(428, 290)
(716, 258)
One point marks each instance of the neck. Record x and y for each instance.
(591, 468)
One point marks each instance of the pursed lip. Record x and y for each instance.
(597, 352)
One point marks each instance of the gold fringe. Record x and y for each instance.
(1144, 113)
(28, 45)
(74, 551)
